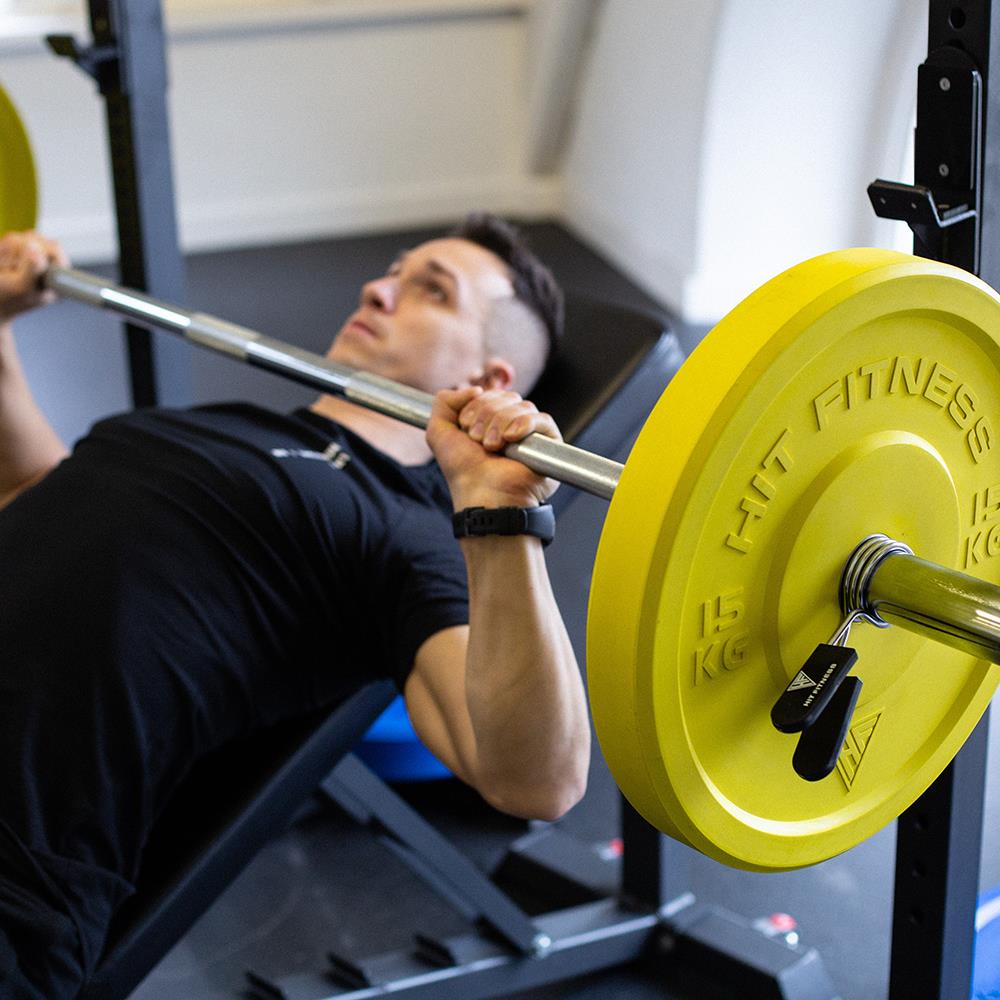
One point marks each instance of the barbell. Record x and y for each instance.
(853, 394)
(839, 420)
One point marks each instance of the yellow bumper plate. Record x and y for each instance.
(858, 392)
(18, 183)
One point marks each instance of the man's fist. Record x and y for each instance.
(24, 258)
(468, 430)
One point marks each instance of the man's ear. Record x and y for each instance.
(497, 373)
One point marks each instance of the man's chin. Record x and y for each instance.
(344, 352)
(353, 354)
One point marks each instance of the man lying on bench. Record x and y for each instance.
(187, 577)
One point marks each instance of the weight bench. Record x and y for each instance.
(238, 799)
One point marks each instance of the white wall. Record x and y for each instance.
(718, 142)
(633, 167)
(292, 121)
(809, 103)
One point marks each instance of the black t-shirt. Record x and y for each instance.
(185, 578)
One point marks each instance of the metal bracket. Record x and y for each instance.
(100, 62)
(942, 206)
(915, 205)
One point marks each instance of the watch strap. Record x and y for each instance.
(473, 522)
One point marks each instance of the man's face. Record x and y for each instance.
(424, 322)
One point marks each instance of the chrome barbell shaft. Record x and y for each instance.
(564, 462)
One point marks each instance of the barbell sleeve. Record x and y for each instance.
(951, 607)
(556, 459)
(886, 580)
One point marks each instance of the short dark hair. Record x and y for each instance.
(533, 282)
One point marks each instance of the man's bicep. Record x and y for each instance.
(436, 702)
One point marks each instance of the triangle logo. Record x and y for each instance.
(801, 680)
(855, 746)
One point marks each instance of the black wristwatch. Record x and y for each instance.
(476, 521)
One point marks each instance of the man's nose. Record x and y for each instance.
(380, 294)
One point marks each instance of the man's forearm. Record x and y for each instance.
(523, 685)
(29, 446)
(521, 734)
